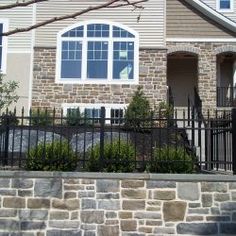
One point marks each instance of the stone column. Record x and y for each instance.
(152, 74)
(207, 76)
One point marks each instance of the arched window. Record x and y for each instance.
(97, 52)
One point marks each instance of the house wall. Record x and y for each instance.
(212, 4)
(150, 26)
(89, 204)
(184, 21)
(19, 50)
(47, 93)
(19, 70)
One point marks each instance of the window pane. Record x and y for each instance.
(121, 33)
(225, 4)
(97, 60)
(76, 32)
(1, 29)
(93, 113)
(116, 115)
(0, 57)
(98, 30)
(71, 58)
(123, 60)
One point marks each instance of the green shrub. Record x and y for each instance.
(41, 118)
(171, 160)
(119, 156)
(165, 110)
(138, 112)
(56, 156)
(74, 117)
(164, 113)
(10, 119)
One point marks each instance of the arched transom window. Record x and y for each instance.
(97, 52)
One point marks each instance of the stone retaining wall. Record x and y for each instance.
(69, 204)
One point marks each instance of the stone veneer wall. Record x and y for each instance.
(46, 93)
(207, 65)
(89, 204)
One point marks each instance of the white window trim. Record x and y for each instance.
(5, 23)
(110, 40)
(83, 106)
(225, 10)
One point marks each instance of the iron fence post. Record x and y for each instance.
(102, 136)
(234, 139)
(211, 146)
(7, 120)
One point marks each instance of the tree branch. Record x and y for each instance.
(109, 4)
(20, 4)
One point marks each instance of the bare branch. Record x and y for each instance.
(21, 4)
(109, 4)
(128, 3)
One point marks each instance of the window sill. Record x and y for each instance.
(104, 82)
(225, 10)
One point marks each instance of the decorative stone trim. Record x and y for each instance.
(181, 48)
(225, 48)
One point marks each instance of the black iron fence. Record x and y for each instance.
(176, 143)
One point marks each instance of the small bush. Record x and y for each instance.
(57, 156)
(171, 160)
(119, 156)
(138, 112)
(41, 118)
(74, 117)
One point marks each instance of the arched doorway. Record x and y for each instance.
(182, 76)
(226, 79)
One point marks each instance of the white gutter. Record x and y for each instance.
(212, 14)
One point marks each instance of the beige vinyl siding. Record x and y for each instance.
(150, 27)
(185, 22)
(231, 15)
(18, 18)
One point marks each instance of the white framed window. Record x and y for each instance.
(225, 5)
(99, 52)
(113, 111)
(3, 45)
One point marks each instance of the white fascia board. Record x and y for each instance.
(214, 15)
(202, 40)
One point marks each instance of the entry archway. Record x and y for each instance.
(226, 79)
(182, 76)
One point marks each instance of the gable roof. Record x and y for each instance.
(213, 14)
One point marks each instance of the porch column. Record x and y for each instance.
(234, 78)
(234, 73)
(207, 77)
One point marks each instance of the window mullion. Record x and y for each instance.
(84, 54)
(110, 54)
(136, 60)
(110, 59)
